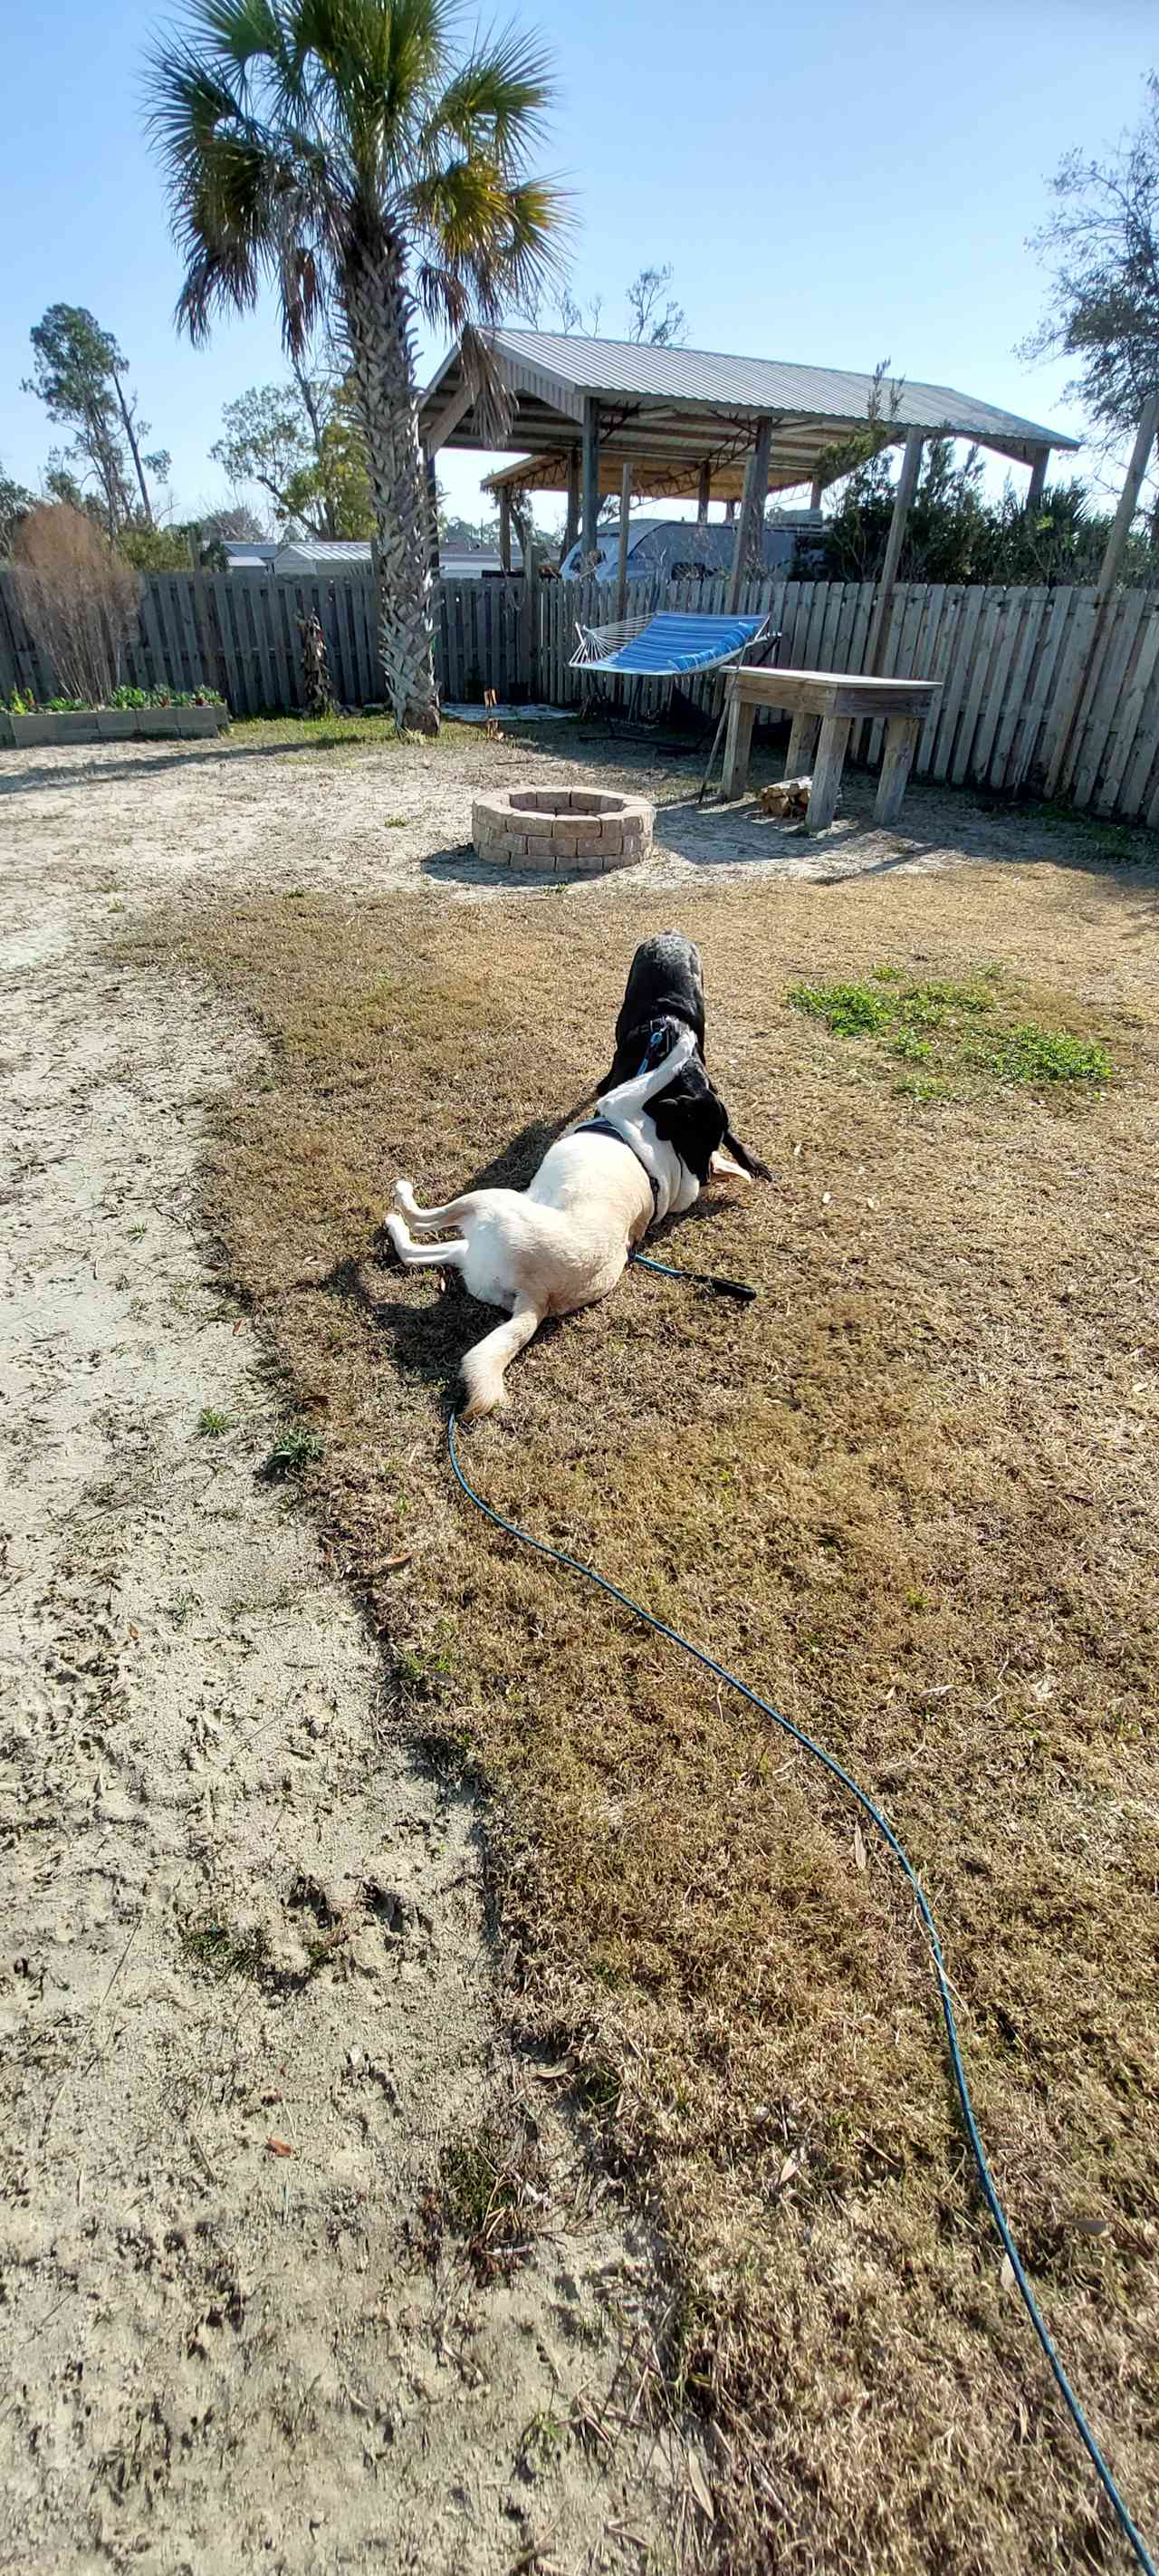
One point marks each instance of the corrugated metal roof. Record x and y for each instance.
(607, 368)
(324, 551)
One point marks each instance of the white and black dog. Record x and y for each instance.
(563, 1242)
(665, 993)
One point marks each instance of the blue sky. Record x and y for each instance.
(834, 184)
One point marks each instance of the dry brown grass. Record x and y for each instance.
(911, 1495)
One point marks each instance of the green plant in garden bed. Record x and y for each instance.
(937, 1022)
(125, 700)
(130, 698)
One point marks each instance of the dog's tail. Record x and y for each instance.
(484, 1367)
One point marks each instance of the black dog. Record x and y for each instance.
(664, 994)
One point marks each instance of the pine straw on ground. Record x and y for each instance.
(911, 1496)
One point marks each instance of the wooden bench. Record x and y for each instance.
(832, 701)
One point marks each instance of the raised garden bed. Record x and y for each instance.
(109, 724)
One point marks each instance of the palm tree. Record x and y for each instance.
(337, 149)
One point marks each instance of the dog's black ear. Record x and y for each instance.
(695, 1126)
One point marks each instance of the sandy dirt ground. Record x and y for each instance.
(143, 819)
(247, 1992)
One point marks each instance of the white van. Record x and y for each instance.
(682, 549)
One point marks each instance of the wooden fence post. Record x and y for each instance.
(1074, 705)
(213, 665)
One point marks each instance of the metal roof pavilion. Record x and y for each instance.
(687, 420)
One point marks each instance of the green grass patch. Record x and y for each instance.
(336, 735)
(489, 2196)
(849, 1010)
(1033, 1055)
(292, 1451)
(221, 1952)
(937, 1021)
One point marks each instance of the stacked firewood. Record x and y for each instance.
(787, 797)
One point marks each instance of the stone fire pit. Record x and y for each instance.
(561, 827)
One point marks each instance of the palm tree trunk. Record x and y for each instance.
(379, 320)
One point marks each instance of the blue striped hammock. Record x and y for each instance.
(665, 647)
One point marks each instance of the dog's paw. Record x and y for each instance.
(723, 1168)
(405, 1194)
(486, 1400)
(398, 1235)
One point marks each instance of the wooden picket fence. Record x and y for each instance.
(1009, 660)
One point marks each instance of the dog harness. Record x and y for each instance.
(604, 1127)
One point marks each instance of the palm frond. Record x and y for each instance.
(216, 282)
(303, 294)
(187, 102)
(461, 208)
(442, 296)
(493, 408)
(377, 63)
(497, 102)
(502, 243)
(242, 31)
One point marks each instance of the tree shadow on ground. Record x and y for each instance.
(14, 782)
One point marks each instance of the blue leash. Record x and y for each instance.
(997, 2213)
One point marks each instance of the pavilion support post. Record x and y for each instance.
(505, 531)
(591, 469)
(1077, 698)
(433, 518)
(906, 487)
(752, 512)
(729, 513)
(572, 529)
(703, 493)
(1034, 488)
(529, 605)
(740, 539)
(816, 489)
(622, 555)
